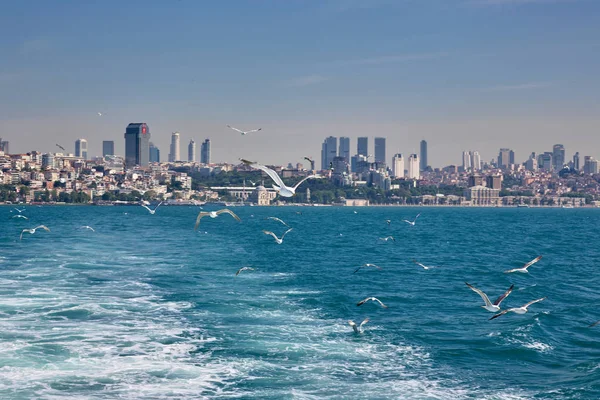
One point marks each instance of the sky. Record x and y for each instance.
(461, 74)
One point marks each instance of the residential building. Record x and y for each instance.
(398, 166)
(467, 164)
(413, 167)
(475, 161)
(590, 166)
(137, 144)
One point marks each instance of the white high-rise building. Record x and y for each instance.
(398, 166)
(413, 167)
(192, 151)
(475, 161)
(466, 162)
(174, 155)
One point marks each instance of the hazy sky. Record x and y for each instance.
(462, 74)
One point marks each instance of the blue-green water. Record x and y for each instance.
(147, 308)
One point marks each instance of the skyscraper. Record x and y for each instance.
(174, 154)
(362, 146)
(475, 161)
(467, 164)
(205, 152)
(154, 153)
(192, 151)
(344, 150)
(506, 157)
(81, 149)
(545, 161)
(137, 148)
(380, 150)
(398, 166)
(413, 167)
(328, 151)
(423, 155)
(576, 162)
(4, 146)
(558, 156)
(590, 165)
(108, 148)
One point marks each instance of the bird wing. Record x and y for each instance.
(360, 303)
(533, 301)
(158, 206)
(514, 270)
(22, 232)
(278, 220)
(285, 233)
(530, 263)
(146, 207)
(364, 322)
(356, 270)
(239, 270)
(44, 227)
(272, 174)
(201, 214)
(228, 211)
(270, 233)
(308, 177)
(483, 295)
(418, 215)
(379, 301)
(353, 325)
(500, 313)
(503, 296)
(308, 159)
(236, 129)
(254, 130)
(407, 221)
(594, 324)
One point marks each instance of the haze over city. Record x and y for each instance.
(463, 75)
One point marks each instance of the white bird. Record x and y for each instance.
(359, 328)
(285, 191)
(385, 239)
(87, 227)
(252, 183)
(19, 211)
(389, 221)
(19, 216)
(279, 241)
(243, 269)
(366, 265)
(99, 114)
(214, 214)
(360, 303)
(518, 310)
(413, 221)
(422, 265)
(278, 220)
(243, 132)
(495, 306)
(151, 211)
(523, 269)
(32, 231)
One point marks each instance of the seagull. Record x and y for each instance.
(493, 307)
(366, 265)
(279, 241)
(87, 227)
(243, 132)
(413, 221)
(243, 269)
(60, 147)
(523, 269)
(285, 191)
(594, 324)
(32, 231)
(19, 211)
(422, 265)
(214, 214)
(99, 114)
(360, 303)
(518, 310)
(247, 162)
(252, 183)
(389, 221)
(19, 216)
(385, 239)
(278, 220)
(149, 209)
(358, 329)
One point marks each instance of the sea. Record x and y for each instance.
(145, 307)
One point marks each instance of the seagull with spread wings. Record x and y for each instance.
(151, 211)
(523, 269)
(366, 265)
(413, 222)
(359, 328)
(243, 132)
(518, 310)
(214, 214)
(282, 189)
(495, 306)
(32, 230)
(360, 303)
(243, 269)
(278, 220)
(278, 240)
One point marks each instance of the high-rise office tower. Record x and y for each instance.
(590, 165)
(506, 157)
(380, 150)
(192, 151)
(81, 148)
(532, 163)
(545, 161)
(108, 148)
(558, 156)
(328, 152)
(4, 146)
(475, 161)
(576, 162)
(344, 150)
(154, 153)
(398, 166)
(362, 146)
(174, 154)
(467, 163)
(205, 152)
(137, 144)
(413, 167)
(423, 155)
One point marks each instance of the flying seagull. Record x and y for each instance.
(422, 265)
(60, 147)
(247, 162)
(366, 265)
(87, 227)
(517, 310)
(389, 221)
(32, 231)
(19, 216)
(243, 269)
(19, 211)
(99, 114)
(243, 132)
(360, 303)
(359, 328)
(523, 269)
(385, 239)
(278, 220)
(151, 211)
(495, 306)
(214, 214)
(413, 221)
(285, 191)
(279, 241)
(594, 324)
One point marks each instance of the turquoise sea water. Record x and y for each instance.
(147, 308)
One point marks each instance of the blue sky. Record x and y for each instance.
(462, 74)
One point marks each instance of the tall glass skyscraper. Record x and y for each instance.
(192, 151)
(137, 144)
(558, 156)
(205, 152)
(328, 152)
(108, 148)
(423, 156)
(154, 153)
(362, 146)
(81, 149)
(344, 150)
(380, 150)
